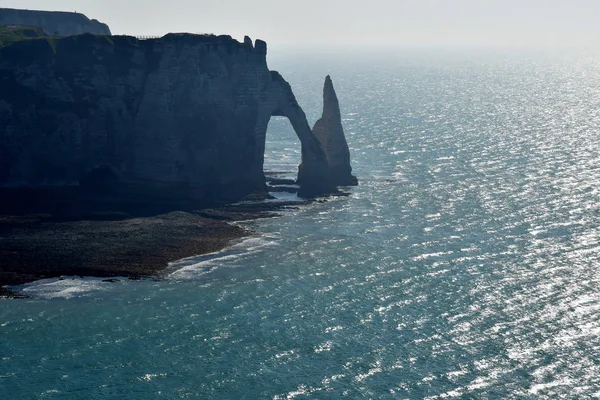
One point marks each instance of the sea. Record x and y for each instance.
(466, 264)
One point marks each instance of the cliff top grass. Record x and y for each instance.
(10, 34)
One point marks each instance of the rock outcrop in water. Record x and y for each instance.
(330, 133)
(55, 23)
(184, 115)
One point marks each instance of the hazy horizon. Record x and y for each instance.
(353, 23)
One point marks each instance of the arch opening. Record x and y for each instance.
(282, 155)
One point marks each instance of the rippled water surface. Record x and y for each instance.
(465, 265)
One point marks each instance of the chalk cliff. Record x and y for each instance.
(184, 115)
(56, 23)
(330, 133)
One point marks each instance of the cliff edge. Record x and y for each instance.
(55, 23)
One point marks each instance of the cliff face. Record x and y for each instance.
(184, 114)
(53, 22)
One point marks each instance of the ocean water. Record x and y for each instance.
(466, 264)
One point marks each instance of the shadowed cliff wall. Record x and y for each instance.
(184, 114)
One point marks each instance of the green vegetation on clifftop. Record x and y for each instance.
(12, 34)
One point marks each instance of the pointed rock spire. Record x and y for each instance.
(330, 133)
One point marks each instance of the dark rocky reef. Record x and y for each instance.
(54, 23)
(184, 115)
(330, 133)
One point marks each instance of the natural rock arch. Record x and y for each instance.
(279, 101)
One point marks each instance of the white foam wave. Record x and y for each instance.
(195, 267)
(66, 287)
(283, 196)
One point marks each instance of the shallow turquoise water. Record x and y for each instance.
(465, 265)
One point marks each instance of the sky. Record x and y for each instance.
(353, 23)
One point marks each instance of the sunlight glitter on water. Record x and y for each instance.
(464, 265)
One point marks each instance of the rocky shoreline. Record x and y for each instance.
(110, 244)
(118, 154)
